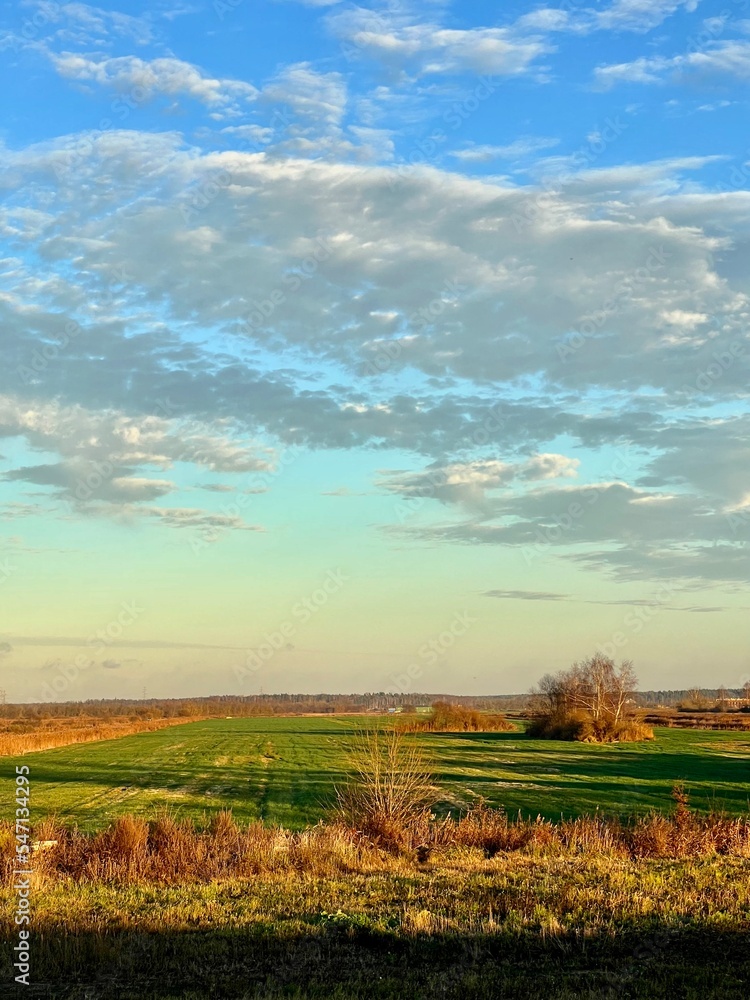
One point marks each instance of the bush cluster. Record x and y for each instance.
(581, 727)
(449, 718)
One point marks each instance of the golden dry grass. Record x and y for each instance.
(172, 850)
(60, 732)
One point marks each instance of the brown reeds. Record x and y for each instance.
(171, 850)
(67, 731)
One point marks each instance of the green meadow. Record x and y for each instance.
(285, 770)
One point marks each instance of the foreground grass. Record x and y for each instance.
(458, 926)
(284, 770)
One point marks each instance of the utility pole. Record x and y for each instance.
(2, 696)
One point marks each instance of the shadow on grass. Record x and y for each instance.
(348, 962)
(555, 778)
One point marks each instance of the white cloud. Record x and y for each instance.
(468, 482)
(453, 276)
(639, 15)
(631, 533)
(266, 304)
(311, 95)
(397, 39)
(74, 431)
(431, 48)
(145, 79)
(86, 24)
(313, 3)
(720, 58)
(102, 452)
(197, 519)
(79, 480)
(516, 150)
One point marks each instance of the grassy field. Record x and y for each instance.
(326, 916)
(283, 770)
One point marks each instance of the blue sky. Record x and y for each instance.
(445, 303)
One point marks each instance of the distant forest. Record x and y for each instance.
(291, 704)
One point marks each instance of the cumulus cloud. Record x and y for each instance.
(468, 482)
(80, 480)
(726, 57)
(638, 15)
(351, 305)
(308, 108)
(708, 456)
(634, 534)
(431, 48)
(400, 40)
(358, 260)
(84, 24)
(310, 95)
(81, 434)
(103, 454)
(144, 79)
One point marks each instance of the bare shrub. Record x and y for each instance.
(128, 837)
(390, 795)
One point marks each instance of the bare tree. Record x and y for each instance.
(594, 686)
(625, 689)
(595, 689)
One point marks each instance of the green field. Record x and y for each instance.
(284, 770)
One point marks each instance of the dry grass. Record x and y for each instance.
(60, 732)
(168, 850)
(581, 727)
(171, 850)
(684, 834)
(449, 718)
(737, 721)
(463, 927)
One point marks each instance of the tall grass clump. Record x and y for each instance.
(390, 794)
